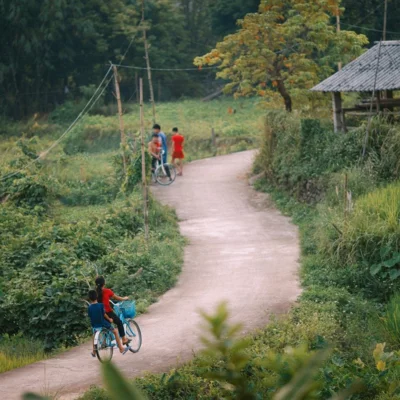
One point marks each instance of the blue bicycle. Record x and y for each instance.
(104, 339)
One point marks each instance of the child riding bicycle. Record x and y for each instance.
(154, 150)
(157, 155)
(99, 319)
(104, 295)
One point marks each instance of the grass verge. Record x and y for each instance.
(17, 351)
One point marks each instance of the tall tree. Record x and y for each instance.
(287, 45)
(45, 42)
(225, 13)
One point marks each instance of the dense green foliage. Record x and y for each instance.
(50, 46)
(54, 241)
(48, 265)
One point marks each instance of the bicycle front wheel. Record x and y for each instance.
(165, 174)
(104, 346)
(134, 334)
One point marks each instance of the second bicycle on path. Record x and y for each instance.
(165, 173)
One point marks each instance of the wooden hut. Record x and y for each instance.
(366, 74)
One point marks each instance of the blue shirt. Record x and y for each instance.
(163, 140)
(164, 145)
(96, 314)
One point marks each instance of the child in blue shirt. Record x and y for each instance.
(99, 319)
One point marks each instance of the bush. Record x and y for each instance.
(297, 154)
(128, 180)
(24, 191)
(367, 239)
(95, 191)
(47, 266)
(44, 299)
(304, 157)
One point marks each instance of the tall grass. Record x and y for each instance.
(18, 351)
(370, 232)
(391, 318)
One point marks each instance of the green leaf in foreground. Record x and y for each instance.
(118, 388)
(303, 383)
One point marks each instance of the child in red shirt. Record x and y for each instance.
(103, 296)
(177, 150)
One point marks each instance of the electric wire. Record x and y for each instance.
(84, 111)
(164, 69)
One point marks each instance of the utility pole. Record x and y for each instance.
(146, 51)
(385, 93)
(385, 21)
(338, 31)
(137, 87)
(121, 120)
(144, 180)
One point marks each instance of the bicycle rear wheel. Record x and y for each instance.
(104, 347)
(134, 334)
(162, 176)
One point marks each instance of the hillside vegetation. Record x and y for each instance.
(73, 215)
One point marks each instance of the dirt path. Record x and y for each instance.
(240, 250)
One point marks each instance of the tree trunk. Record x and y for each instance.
(286, 96)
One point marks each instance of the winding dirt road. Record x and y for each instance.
(240, 250)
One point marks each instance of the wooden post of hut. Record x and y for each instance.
(373, 72)
(338, 120)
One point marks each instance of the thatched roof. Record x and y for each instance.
(359, 75)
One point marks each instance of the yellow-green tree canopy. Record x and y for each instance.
(287, 45)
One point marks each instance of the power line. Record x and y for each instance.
(370, 29)
(164, 69)
(81, 115)
(372, 100)
(84, 111)
(368, 15)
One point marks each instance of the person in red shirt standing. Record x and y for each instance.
(103, 296)
(177, 150)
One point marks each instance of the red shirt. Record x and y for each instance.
(178, 142)
(107, 294)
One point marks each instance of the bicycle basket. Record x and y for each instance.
(128, 309)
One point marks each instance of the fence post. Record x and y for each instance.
(143, 155)
(213, 138)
